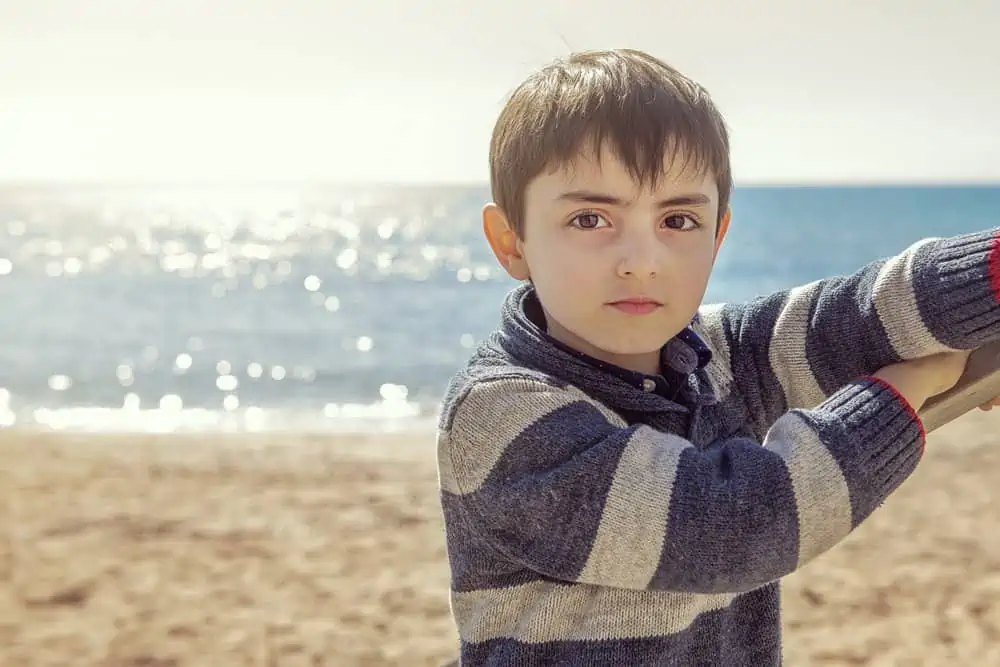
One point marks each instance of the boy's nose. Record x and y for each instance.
(639, 260)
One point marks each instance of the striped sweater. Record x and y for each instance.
(599, 517)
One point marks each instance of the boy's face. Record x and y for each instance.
(619, 269)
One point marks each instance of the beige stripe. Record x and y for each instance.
(822, 497)
(546, 611)
(710, 328)
(492, 415)
(446, 473)
(787, 353)
(896, 305)
(629, 541)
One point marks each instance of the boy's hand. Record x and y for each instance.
(920, 379)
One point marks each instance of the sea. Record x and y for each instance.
(331, 308)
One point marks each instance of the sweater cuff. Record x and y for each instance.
(960, 297)
(883, 440)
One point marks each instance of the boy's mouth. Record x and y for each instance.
(636, 305)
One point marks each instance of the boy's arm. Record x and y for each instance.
(565, 488)
(793, 348)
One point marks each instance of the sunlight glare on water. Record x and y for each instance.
(230, 307)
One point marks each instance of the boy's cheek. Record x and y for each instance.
(569, 282)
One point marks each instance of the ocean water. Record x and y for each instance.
(323, 308)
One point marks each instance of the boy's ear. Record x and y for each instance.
(721, 233)
(504, 242)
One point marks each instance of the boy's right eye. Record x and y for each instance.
(588, 221)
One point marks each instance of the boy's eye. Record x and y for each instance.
(680, 221)
(589, 221)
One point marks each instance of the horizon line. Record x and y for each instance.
(445, 183)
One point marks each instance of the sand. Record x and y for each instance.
(169, 551)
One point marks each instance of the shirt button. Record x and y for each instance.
(648, 384)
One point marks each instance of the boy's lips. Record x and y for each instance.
(636, 305)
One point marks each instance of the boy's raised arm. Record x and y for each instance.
(565, 488)
(793, 348)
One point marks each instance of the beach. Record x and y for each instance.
(217, 550)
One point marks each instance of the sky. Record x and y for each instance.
(398, 90)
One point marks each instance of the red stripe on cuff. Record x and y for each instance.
(993, 262)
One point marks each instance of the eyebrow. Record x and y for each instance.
(587, 196)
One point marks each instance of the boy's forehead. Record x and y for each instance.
(591, 170)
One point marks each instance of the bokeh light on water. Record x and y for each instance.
(244, 308)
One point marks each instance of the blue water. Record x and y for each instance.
(327, 308)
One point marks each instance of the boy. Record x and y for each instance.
(624, 477)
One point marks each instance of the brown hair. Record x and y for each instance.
(626, 99)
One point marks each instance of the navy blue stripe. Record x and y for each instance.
(748, 329)
(476, 563)
(733, 521)
(847, 339)
(721, 421)
(752, 628)
(542, 503)
(954, 294)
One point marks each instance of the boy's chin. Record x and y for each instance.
(635, 344)
(631, 347)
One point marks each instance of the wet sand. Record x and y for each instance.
(183, 550)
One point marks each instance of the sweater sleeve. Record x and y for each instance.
(793, 348)
(562, 486)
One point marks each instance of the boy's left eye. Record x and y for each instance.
(680, 221)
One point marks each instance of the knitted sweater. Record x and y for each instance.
(600, 517)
